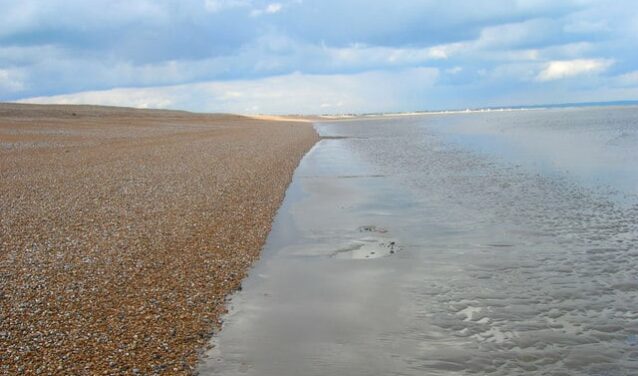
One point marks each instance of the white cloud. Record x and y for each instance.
(9, 81)
(559, 69)
(627, 80)
(293, 93)
(513, 35)
(371, 55)
(139, 98)
(271, 8)
(66, 46)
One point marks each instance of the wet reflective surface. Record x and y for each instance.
(501, 243)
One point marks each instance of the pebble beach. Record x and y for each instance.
(122, 231)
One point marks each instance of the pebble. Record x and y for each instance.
(124, 230)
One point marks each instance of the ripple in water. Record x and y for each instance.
(506, 265)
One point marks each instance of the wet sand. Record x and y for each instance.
(123, 231)
(449, 245)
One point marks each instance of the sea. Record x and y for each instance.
(500, 243)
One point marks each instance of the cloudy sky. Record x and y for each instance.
(318, 56)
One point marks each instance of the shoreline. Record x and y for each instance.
(125, 230)
(402, 249)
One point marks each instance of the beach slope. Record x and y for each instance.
(122, 231)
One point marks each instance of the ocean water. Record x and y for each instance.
(486, 243)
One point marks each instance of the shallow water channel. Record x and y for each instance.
(500, 243)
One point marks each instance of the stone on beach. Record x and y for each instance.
(122, 231)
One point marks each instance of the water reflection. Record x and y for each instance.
(597, 146)
(502, 266)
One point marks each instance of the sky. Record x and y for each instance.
(318, 56)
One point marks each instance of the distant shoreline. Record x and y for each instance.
(476, 110)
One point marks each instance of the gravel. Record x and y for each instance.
(123, 231)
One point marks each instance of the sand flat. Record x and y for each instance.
(501, 266)
(122, 231)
